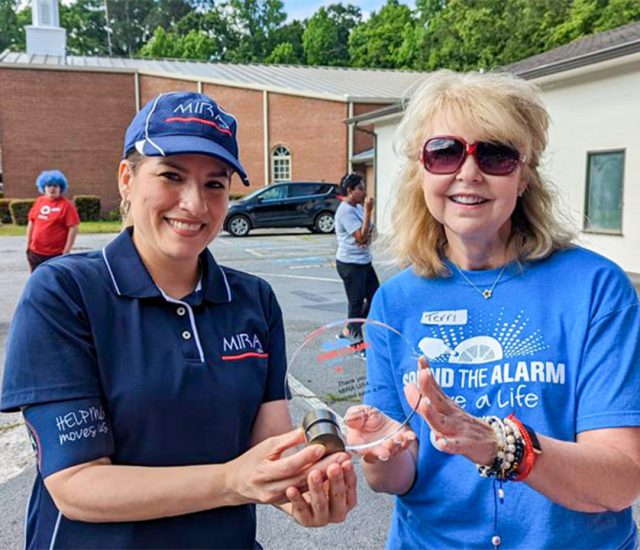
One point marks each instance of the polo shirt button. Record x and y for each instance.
(181, 311)
(186, 335)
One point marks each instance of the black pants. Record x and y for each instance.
(36, 259)
(360, 283)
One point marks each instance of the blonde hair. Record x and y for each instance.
(501, 108)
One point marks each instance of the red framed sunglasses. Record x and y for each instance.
(446, 154)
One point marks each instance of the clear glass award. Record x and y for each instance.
(332, 387)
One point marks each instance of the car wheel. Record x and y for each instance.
(324, 223)
(239, 226)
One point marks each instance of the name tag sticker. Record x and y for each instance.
(451, 317)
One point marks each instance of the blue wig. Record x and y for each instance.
(51, 177)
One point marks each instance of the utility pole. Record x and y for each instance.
(108, 27)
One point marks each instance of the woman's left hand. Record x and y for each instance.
(454, 430)
(326, 501)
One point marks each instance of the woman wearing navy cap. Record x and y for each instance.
(152, 380)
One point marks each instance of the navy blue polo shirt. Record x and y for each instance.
(181, 382)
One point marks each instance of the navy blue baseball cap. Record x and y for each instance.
(176, 123)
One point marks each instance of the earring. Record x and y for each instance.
(520, 194)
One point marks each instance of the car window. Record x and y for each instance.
(277, 192)
(305, 189)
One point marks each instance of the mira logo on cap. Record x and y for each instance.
(182, 123)
(200, 108)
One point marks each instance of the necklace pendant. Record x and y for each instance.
(487, 294)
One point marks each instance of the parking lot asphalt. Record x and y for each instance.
(300, 268)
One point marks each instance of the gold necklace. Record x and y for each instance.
(487, 292)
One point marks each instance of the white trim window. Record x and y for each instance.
(605, 179)
(280, 164)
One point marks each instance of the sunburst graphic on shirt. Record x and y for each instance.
(482, 340)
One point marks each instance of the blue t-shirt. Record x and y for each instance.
(348, 220)
(180, 382)
(558, 343)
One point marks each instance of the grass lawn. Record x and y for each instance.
(8, 230)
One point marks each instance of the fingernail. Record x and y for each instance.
(396, 441)
(383, 458)
(319, 450)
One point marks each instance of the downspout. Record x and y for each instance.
(350, 135)
(265, 134)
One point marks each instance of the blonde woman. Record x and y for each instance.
(527, 394)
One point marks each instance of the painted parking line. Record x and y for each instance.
(308, 260)
(305, 277)
(310, 399)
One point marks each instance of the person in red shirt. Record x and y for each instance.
(53, 220)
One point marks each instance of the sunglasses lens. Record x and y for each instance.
(443, 155)
(496, 159)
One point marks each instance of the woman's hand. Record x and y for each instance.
(263, 475)
(453, 430)
(368, 205)
(366, 424)
(326, 501)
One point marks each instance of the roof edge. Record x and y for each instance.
(590, 58)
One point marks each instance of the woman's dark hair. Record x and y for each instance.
(350, 181)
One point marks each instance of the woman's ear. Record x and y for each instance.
(125, 178)
(522, 187)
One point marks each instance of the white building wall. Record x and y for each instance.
(387, 169)
(595, 111)
(598, 111)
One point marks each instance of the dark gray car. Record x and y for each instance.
(293, 204)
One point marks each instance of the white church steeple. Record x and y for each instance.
(45, 36)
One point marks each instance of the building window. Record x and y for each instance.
(281, 164)
(603, 209)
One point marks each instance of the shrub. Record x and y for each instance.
(19, 209)
(114, 215)
(5, 213)
(88, 207)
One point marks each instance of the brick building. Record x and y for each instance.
(70, 113)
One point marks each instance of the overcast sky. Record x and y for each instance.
(300, 9)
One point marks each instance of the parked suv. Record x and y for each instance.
(292, 204)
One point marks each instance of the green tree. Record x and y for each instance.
(86, 25)
(618, 13)
(167, 13)
(466, 35)
(256, 22)
(216, 26)
(290, 33)
(162, 44)
(196, 45)
(9, 29)
(581, 20)
(530, 26)
(378, 42)
(325, 40)
(283, 53)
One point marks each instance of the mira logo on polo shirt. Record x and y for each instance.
(241, 346)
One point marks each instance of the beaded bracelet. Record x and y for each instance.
(511, 449)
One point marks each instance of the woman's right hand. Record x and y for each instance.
(366, 424)
(262, 474)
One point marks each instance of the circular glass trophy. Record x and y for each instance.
(338, 375)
